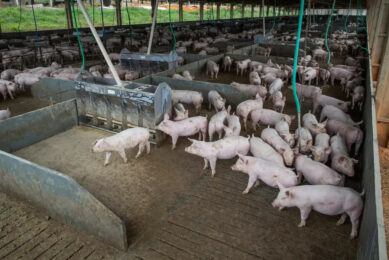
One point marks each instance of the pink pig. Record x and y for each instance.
(261, 149)
(270, 136)
(340, 159)
(268, 117)
(216, 124)
(243, 109)
(119, 142)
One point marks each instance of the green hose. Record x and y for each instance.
(365, 27)
(348, 13)
(328, 27)
(78, 37)
(171, 27)
(296, 55)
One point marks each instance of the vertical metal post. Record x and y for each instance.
(231, 11)
(201, 10)
(218, 11)
(180, 11)
(118, 12)
(152, 26)
(243, 7)
(263, 19)
(252, 10)
(100, 44)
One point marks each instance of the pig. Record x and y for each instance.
(199, 45)
(255, 66)
(96, 74)
(181, 112)
(7, 87)
(233, 128)
(310, 74)
(275, 86)
(320, 100)
(115, 57)
(244, 108)
(278, 101)
(351, 84)
(349, 61)
(305, 140)
(242, 66)
(270, 136)
(261, 149)
(326, 199)
(216, 123)
(187, 75)
(178, 76)
(339, 74)
(310, 122)
(226, 148)
(282, 128)
(181, 50)
(185, 127)
(264, 170)
(227, 62)
(254, 78)
(215, 100)
(203, 53)
(9, 74)
(358, 96)
(100, 68)
(211, 50)
(250, 90)
(317, 173)
(268, 117)
(324, 75)
(23, 80)
(212, 68)
(322, 149)
(119, 142)
(332, 112)
(180, 60)
(319, 53)
(188, 97)
(131, 75)
(340, 159)
(351, 134)
(5, 114)
(268, 78)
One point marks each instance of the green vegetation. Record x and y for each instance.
(55, 18)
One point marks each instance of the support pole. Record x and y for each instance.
(100, 44)
(69, 18)
(267, 11)
(118, 12)
(180, 11)
(152, 25)
(201, 10)
(218, 11)
(243, 7)
(263, 19)
(231, 11)
(274, 10)
(252, 10)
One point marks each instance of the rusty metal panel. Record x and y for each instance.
(29, 128)
(62, 198)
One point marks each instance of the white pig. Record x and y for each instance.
(282, 127)
(242, 66)
(358, 96)
(268, 117)
(278, 101)
(264, 170)
(270, 136)
(188, 97)
(227, 62)
(254, 78)
(322, 148)
(261, 149)
(310, 122)
(250, 90)
(216, 123)
(212, 68)
(320, 100)
(233, 128)
(340, 159)
(119, 142)
(185, 127)
(306, 140)
(332, 112)
(5, 114)
(325, 199)
(180, 112)
(226, 148)
(243, 109)
(276, 85)
(215, 100)
(317, 173)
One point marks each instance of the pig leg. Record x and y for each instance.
(122, 154)
(304, 212)
(210, 133)
(216, 74)
(174, 141)
(354, 217)
(148, 146)
(107, 157)
(10, 94)
(352, 104)
(140, 150)
(199, 135)
(252, 180)
(204, 133)
(220, 132)
(205, 164)
(342, 219)
(212, 162)
(245, 122)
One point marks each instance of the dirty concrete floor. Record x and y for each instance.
(23, 103)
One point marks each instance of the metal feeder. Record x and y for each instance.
(146, 64)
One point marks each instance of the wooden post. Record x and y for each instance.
(218, 11)
(201, 10)
(252, 10)
(69, 18)
(231, 11)
(118, 12)
(180, 11)
(243, 7)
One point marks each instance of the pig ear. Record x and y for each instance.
(192, 140)
(327, 150)
(186, 112)
(280, 186)
(282, 150)
(283, 100)
(166, 117)
(324, 123)
(257, 96)
(292, 117)
(229, 109)
(95, 142)
(175, 110)
(341, 159)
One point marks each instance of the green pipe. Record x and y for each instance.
(171, 28)
(328, 27)
(78, 38)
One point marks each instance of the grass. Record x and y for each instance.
(56, 18)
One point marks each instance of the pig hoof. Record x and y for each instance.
(301, 225)
(245, 192)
